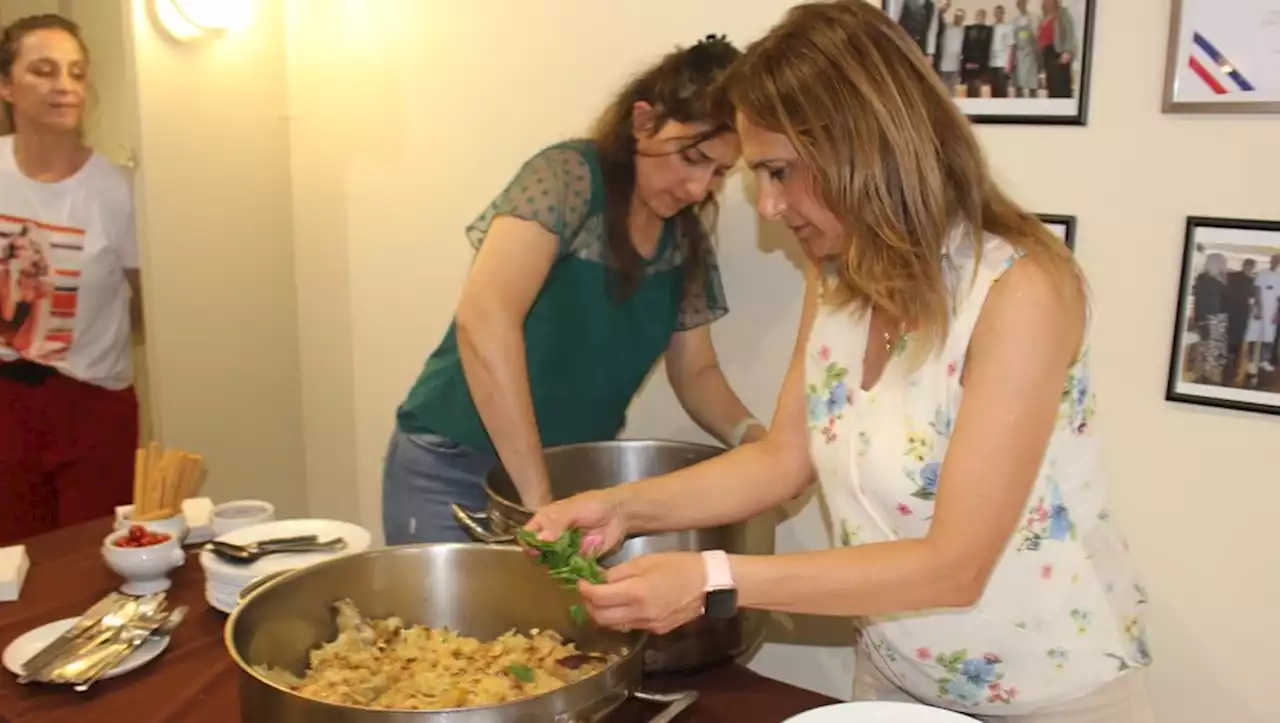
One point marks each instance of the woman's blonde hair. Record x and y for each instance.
(889, 154)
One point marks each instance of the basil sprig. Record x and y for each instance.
(567, 564)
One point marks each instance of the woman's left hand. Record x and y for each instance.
(657, 593)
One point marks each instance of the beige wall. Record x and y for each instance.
(217, 238)
(11, 10)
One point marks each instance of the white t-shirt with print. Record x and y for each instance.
(64, 248)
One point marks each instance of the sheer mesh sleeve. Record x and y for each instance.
(703, 302)
(553, 189)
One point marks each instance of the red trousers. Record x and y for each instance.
(66, 454)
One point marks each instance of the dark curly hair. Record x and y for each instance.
(682, 87)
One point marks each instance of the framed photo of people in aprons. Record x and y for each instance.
(1006, 61)
(1226, 346)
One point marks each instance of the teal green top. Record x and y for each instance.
(587, 353)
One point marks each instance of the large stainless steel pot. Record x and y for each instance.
(596, 465)
(478, 590)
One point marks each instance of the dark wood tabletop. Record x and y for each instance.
(195, 681)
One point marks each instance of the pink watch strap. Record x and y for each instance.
(719, 574)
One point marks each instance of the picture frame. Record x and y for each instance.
(1064, 227)
(1225, 349)
(1222, 57)
(1009, 95)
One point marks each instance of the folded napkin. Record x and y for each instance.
(13, 571)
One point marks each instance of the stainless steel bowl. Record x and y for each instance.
(478, 590)
(596, 465)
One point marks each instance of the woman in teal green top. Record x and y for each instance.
(592, 264)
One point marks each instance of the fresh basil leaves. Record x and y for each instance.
(564, 557)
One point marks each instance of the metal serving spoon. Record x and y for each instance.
(237, 550)
(245, 554)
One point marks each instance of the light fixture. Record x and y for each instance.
(189, 19)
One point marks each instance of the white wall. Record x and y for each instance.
(215, 222)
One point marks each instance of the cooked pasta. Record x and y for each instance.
(387, 664)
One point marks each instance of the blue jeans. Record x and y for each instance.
(423, 476)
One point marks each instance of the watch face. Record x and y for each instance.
(722, 604)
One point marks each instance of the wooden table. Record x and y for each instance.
(194, 681)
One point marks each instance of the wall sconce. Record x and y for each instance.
(187, 20)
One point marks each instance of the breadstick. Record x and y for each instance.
(139, 479)
(155, 490)
(164, 476)
(172, 494)
(153, 464)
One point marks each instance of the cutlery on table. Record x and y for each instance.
(74, 665)
(245, 554)
(51, 652)
(131, 637)
(279, 542)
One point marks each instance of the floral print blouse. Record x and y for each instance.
(1063, 611)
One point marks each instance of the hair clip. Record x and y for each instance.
(713, 39)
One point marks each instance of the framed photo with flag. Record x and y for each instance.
(1224, 57)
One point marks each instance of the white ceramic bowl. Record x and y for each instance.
(145, 569)
(236, 515)
(176, 526)
(879, 712)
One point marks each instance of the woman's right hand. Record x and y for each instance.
(597, 513)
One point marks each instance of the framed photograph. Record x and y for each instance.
(1007, 61)
(1224, 57)
(1227, 339)
(1063, 226)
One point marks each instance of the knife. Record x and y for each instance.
(59, 645)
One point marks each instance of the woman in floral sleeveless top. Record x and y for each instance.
(940, 393)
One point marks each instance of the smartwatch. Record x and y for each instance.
(721, 594)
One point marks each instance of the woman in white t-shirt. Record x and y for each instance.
(68, 293)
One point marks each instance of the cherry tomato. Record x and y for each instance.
(139, 536)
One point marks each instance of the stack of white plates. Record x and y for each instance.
(224, 580)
